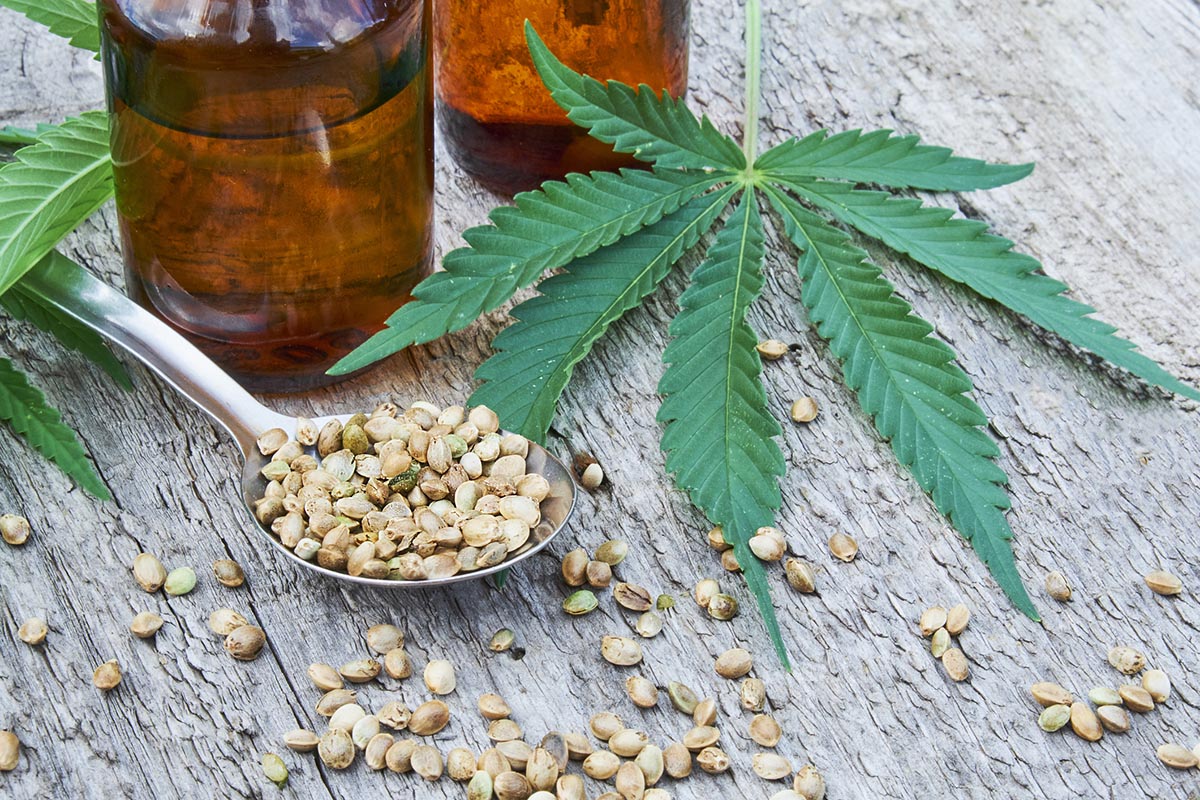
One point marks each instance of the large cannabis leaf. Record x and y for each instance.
(718, 434)
(615, 236)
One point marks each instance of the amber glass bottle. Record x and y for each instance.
(273, 164)
(495, 115)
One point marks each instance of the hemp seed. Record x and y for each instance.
(1050, 694)
(33, 631)
(641, 691)
(800, 575)
(225, 621)
(274, 769)
(809, 783)
(932, 619)
(228, 573)
(107, 676)
(734, 663)
(145, 625)
(245, 643)
(771, 349)
(180, 581)
(1176, 756)
(1126, 660)
(14, 529)
(382, 639)
(429, 718)
(1085, 723)
(301, 740)
(804, 410)
(765, 731)
(771, 766)
(843, 547)
(621, 651)
(1164, 583)
(439, 677)
(149, 572)
(1157, 684)
(1057, 586)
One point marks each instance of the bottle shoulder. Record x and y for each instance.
(295, 24)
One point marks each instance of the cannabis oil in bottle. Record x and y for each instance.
(273, 165)
(495, 115)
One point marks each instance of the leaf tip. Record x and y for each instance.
(100, 492)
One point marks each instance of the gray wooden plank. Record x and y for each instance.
(1104, 472)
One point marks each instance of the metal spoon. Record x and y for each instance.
(74, 291)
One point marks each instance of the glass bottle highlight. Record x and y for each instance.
(499, 121)
(273, 163)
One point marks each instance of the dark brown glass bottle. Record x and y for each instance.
(273, 164)
(497, 118)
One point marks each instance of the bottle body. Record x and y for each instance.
(496, 117)
(273, 171)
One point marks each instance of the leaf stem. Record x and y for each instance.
(753, 79)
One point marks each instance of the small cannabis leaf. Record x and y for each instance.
(25, 409)
(25, 306)
(52, 187)
(71, 19)
(60, 176)
(718, 434)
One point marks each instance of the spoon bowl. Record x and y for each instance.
(60, 283)
(555, 508)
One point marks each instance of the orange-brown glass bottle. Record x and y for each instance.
(273, 165)
(496, 117)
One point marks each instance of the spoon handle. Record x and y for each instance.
(59, 282)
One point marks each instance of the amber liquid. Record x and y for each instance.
(499, 121)
(274, 185)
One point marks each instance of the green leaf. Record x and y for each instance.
(70, 333)
(908, 383)
(12, 136)
(555, 330)
(962, 250)
(719, 435)
(658, 129)
(50, 189)
(76, 20)
(547, 229)
(25, 409)
(879, 157)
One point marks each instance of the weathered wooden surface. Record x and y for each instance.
(1104, 473)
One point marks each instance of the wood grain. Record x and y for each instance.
(1104, 472)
